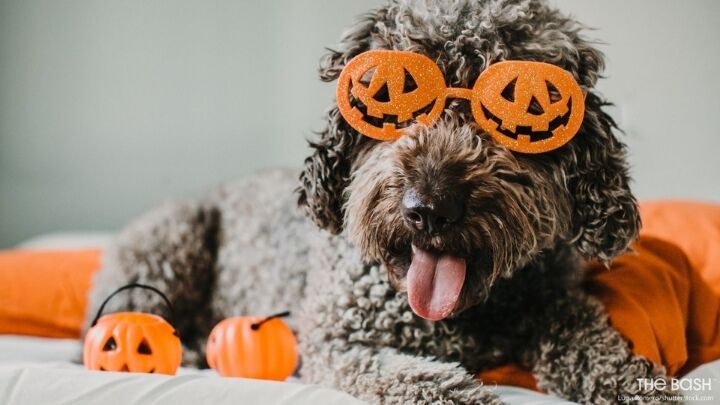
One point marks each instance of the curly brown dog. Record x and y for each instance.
(502, 234)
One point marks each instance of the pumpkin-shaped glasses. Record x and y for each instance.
(530, 107)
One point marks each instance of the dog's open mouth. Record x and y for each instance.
(434, 283)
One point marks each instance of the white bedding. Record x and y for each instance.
(42, 371)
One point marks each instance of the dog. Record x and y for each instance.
(354, 248)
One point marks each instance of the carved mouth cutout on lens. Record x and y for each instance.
(386, 119)
(558, 122)
(529, 107)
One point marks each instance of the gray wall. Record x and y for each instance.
(109, 107)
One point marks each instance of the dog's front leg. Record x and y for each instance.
(385, 375)
(579, 356)
(358, 335)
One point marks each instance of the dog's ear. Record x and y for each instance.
(327, 171)
(605, 212)
(605, 217)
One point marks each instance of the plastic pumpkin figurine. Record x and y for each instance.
(253, 347)
(132, 341)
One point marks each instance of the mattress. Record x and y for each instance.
(46, 371)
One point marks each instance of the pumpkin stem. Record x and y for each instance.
(256, 325)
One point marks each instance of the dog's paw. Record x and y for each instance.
(432, 393)
(438, 383)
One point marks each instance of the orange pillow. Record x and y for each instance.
(44, 293)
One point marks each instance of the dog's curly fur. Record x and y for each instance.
(529, 222)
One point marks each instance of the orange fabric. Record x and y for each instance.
(44, 293)
(661, 304)
(510, 374)
(694, 227)
(664, 297)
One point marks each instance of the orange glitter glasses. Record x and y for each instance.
(530, 107)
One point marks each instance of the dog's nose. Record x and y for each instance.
(430, 215)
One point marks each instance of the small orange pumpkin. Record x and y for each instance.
(132, 341)
(253, 347)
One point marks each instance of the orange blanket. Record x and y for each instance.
(665, 297)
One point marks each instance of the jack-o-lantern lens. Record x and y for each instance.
(530, 107)
(382, 93)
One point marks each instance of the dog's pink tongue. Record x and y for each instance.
(434, 284)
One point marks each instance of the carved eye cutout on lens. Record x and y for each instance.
(529, 107)
(508, 92)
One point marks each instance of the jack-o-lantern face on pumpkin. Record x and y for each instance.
(385, 95)
(530, 107)
(132, 341)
